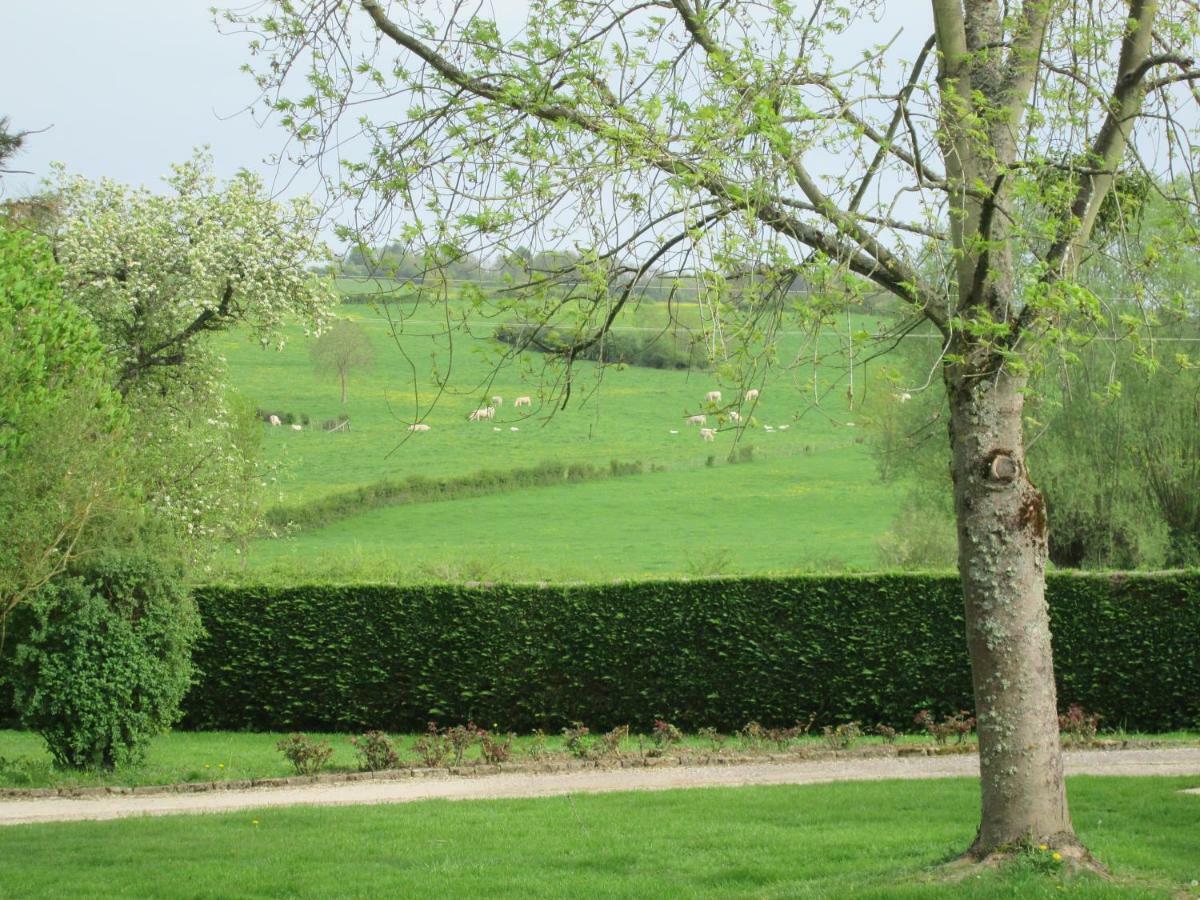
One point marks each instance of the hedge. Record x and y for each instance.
(720, 653)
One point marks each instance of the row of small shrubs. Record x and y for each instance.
(449, 746)
(287, 418)
(651, 349)
(420, 489)
(705, 653)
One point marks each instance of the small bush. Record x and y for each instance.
(665, 736)
(103, 659)
(495, 748)
(715, 739)
(887, 732)
(611, 740)
(536, 748)
(433, 746)
(959, 724)
(843, 736)
(461, 737)
(376, 753)
(307, 756)
(1077, 726)
(578, 741)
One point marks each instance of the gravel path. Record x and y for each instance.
(1175, 761)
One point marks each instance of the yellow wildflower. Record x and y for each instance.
(1056, 856)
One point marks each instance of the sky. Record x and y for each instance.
(126, 87)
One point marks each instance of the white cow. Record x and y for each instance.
(904, 397)
(513, 428)
(712, 397)
(296, 427)
(275, 420)
(752, 394)
(784, 427)
(497, 401)
(419, 426)
(696, 420)
(709, 434)
(735, 415)
(523, 401)
(488, 412)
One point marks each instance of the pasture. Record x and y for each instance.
(801, 492)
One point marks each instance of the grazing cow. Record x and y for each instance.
(674, 431)
(712, 397)
(419, 426)
(513, 428)
(496, 428)
(904, 397)
(488, 412)
(752, 394)
(709, 434)
(275, 420)
(696, 420)
(296, 427)
(497, 401)
(523, 401)
(735, 416)
(784, 427)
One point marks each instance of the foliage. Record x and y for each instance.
(842, 736)
(433, 747)
(665, 736)
(307, 756)
(60, 422)
(578, 741)
(157, 275)
(102, 659)
(653, 350)
(1077, 726)
(713, 653)
(495, 748)
(341, 349)
(376, 753)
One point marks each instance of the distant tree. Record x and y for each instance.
(10, 143)
(343, 349)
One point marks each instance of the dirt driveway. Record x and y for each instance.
(1173, 761)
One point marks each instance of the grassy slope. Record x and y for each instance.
(861, 839)
(811, 497)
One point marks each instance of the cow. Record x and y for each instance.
(523, 401)
(419, 426)
(487, 412)
(275, 420)
(497, 401)
(696, 420)
(735, 416)
(297, 427)
(709, 434)
(751, 394)
(712, 397)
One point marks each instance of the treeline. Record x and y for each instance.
(652, 348)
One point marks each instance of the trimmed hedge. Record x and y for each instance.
(719, 653)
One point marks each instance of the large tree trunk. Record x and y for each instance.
(1002, 559)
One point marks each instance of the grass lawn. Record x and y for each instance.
(852, 839)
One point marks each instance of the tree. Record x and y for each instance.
(11, 143)
(727, 138)
(343, 349)
(61, 423)
(157, 274)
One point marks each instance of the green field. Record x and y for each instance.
(882, 839)
(808, 499)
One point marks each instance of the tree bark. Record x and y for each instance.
(1002, 559)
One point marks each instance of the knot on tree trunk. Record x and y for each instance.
(1000, 468)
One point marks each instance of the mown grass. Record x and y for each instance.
(883, 839)
(810, 499)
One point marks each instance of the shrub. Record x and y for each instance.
(1077, 726)
(612, 740)
(842, 736)
(714, 653)
(307, 756)
(495, 748)
(461, 737)
(665, 736)
(715, 739)
(103, 659)
(433, 746)
(887, 732)
(376, 752)
(578, 741)
(959, 724)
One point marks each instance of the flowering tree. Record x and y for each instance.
(755, 143)
(157, 273)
